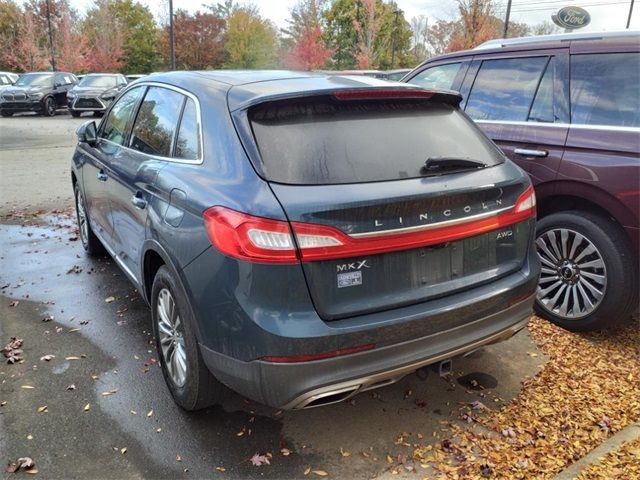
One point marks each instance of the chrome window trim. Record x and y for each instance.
(200, 159)
(431, 226)
(562, 125)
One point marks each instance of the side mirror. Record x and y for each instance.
(87, 133)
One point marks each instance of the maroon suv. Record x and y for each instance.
(566, 108)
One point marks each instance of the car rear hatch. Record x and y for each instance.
(375, 227)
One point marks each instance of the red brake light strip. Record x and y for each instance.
(264, 240)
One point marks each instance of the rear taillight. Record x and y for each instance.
(259, 239)
(263, 240)
(526, 202)
(246, 237)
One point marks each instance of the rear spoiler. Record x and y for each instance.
(449, 97)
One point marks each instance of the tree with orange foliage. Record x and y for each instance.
(477, 26)
(308, 50)
(199, 41)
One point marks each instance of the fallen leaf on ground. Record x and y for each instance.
(285, 452)
(109, 392)
(307, 470)
(150, 413)
(72, 358)
(47, 358)
(109, 299)
(48, 318)
(344, 453)
(259, 460)
(623, 463)
(43, 409)
(27, 387)
(14, 303)
(585, 392)
(71, 387)
(87, 407)
(12, 351)
(320, 473)
(221, 469)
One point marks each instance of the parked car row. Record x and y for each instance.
(47, 92)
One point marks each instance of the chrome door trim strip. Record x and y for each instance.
(561, 125)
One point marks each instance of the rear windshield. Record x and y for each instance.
(332, 142)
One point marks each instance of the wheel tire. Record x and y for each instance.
(199, 388)
(6, 114)
(49, 107)
(75, 113)
(620, 291)
(89, 241)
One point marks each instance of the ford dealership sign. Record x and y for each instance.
(571, 18)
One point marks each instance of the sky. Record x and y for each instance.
(605, 14)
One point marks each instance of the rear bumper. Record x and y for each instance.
(307, 384)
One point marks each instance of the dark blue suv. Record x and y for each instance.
(301, 238)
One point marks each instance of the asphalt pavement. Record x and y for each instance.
(108, 412)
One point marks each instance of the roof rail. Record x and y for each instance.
(558, 37)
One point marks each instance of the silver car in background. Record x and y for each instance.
(95, 92)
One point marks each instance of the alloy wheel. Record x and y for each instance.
(573, 280)
(171, 337)
(50, 106)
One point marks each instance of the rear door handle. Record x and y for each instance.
(103, 177)
(138, 201)
(525, 152)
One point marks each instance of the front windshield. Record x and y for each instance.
(35, 80)
(100, 81)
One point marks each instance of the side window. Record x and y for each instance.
(440, 76)
(605, 89)
(504, 89)
(157, 120)
(59, 79)
(188, 143)
(115, 125)
(542, 108)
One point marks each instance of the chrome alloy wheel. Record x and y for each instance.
(82, 219)
(171, 333)
(573, 279)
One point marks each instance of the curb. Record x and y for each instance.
(612, 444)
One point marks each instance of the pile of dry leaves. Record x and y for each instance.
(623, 464)
(12, 351)
(589, 389)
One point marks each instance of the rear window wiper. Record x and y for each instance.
(438, 165)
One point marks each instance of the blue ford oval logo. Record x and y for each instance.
(571, 18)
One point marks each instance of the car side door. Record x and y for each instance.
(152, 143)
(522, 103)
(112, 133)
